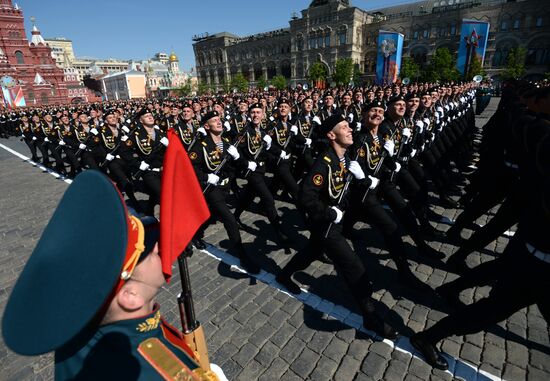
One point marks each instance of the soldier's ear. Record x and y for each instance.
(129, 298)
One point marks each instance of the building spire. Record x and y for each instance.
(6, 4)
(37, 38)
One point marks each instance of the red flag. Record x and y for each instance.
(182, 206)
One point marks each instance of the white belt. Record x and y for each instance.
(537, 253)
(511, 165)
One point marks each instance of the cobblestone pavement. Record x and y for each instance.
(256, 331)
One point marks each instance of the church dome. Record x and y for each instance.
(173, 57)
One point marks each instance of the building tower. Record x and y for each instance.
(174, 64)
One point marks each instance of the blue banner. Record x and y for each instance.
(388, 63)
(473, 43)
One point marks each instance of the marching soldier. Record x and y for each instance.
(212, 159)
(69, 144)
(28, 137)
(323, 196)
(88, 140)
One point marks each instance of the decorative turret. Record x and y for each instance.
(174, 63)
(37, 38)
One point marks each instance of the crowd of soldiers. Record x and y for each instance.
(341, 156)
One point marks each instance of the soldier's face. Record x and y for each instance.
(370, 96)
(111, 119)
(36, 118)
(174, 111)
(346, 100)
(149, 270)
(243, 107)
(426, 101)
(308, 105)
(48, 118)
(187, 113)
(284, 109)
(83, 119)
(398, 108)
(256, 115)
(147, 119)
(374, 116)
(358, 97)
(329, 100)
(412, 104)
(65, 119)
(341, 134)
(219, 109)
(215, 125)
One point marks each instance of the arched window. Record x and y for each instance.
(19, 57)
(342, 35)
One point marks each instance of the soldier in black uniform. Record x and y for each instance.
(212, 159)
(148, 143)
(69, 144)
(305, 152)
(253, 149)
(89, 147)
(28, 136)
(323, 196)
(329, 107)
(50, 142)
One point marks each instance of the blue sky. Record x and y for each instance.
(138, 28)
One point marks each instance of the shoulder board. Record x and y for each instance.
(204, 143)
(327, 159)
(226, 140)
(164, 361)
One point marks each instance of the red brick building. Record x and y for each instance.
(30, 63)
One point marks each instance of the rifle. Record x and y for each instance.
(88, 138)
(193, 333)
(308, 136)
(226, 156)
(286, 143)
(398, 155)
(197, 134)
(349, 178)
(256, 156)
(157, 147)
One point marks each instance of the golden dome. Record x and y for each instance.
(173, 57)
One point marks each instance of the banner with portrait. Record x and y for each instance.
(388, 63)
(473, 43)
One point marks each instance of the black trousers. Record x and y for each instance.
(522, 281)
(215, 198)
(346, 262)
(151, 180)
(56, 153)
(256, 186)
(119, 173)
(88, 160)
(43, 147)
(72, 159)
(412, 190)
(32, 147)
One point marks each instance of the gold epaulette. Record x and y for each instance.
(168, 365)
(327, 159)
(204, 143)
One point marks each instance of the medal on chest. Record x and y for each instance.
(212, 158)
(186, 135)
(336, 179)
(254, 142)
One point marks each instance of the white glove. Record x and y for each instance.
(406, 132)
(34, 138)
(283, 155)
(426, 122)
(94, 131)
(308, 142)
(125, 129)
(234, 152)
(433, 137)
(202, 131)
(356, 170)
(350, 117)
(294, 130)
(267, 139)
(128, 121)
(143, 166)
(271, 118)
(358, 126)
(61, 143)
(158, 128)
(227, 126)
(447, 108)
(228, 117)
(397, 167)
(213, 179)
(109, 157)
(374, 182)
(316, 120)
(339, 214)
(413, 152)
(46, 139)
(389, 146)
(164, 141)
(23, 136)
(124, 138)
(440, 110)
(82, 146)
(252, 165)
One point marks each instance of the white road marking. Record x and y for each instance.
(27, 159)
(457, 368)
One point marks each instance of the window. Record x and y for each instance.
(327, 40)
(516, 24)
(415, 35)
(453, 30)
(19, 57)
(342, 38)
(426, 33)
(538, 22)
(504, 25)
(320, 41)
(312, 42)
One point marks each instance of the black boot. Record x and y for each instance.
(428, 231)
(373, 322)
(408, 278)
(247, 262)
(285, 279)
(429, 351)
(281, 236)
(199, 243)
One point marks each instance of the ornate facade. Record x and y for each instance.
(333, 29)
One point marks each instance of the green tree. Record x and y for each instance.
(317, 72)
(226, 87)
(279, 82)
(185, 89)
(262, 83)
(515, 63)
(476, 68)
(203, 88)
(240, 83)
(356, 78)
(343, 71)
(409, 69)
(442, 67)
